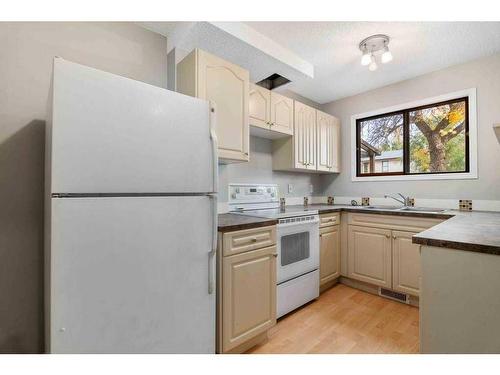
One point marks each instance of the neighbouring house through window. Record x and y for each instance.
(430, 139)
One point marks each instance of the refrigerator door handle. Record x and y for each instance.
(213, 252)
(213, 196)
(213, 138)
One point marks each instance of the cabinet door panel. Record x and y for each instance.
(335, 146)
(249, 295)
(329, 265)
(369, 253)
(324, 144)
(281, 113)
(226, 85)
(259, 106)
(305, 136)
(406, 263)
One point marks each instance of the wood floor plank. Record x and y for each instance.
(345, 320)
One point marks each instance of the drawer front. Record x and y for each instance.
(405, 223)
(248, 239)
(326, 220)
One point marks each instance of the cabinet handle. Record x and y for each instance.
(275, 255)
(254, 239)
(387, 236)
(393, 237)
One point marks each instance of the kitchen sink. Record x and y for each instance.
(409, 209)
(421, 209)
(383, 207)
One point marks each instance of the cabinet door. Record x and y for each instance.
(405, 263)
(325, 129)
(226, 85)
(281, 113)
(248, 296)
(329, 263)
(335, 146)
(259, 106)
(304, 136)
(328, 142)
(369, 255)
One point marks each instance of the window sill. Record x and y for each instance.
(418, 177)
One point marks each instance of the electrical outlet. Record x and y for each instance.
(290, 189)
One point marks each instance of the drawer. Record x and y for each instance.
(393, 222)
(326, 220)
(248, 239)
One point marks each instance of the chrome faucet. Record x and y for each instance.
(405, 201)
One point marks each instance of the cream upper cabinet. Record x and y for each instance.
(248, 296)
(304, 137)
(329, 263)
(209, 77)
(281, 113)
(405, 263)
(314, 145)
(327, 142)
(335, 146)
(271, 111)
(370, 255)
(259, 106)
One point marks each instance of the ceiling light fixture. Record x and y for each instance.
(375, 44)
(366, 59)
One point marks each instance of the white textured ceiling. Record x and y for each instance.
(417, 47)
(332, 49)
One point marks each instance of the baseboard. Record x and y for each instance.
(328, 285)
(370, 288)
(257, 340)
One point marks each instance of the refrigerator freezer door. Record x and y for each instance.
(111, 134)
(130, 275)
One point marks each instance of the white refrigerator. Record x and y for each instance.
(131, 216)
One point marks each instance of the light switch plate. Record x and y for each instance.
(311, 188)
(290, 188)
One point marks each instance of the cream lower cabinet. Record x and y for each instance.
(249, 296)
(209, 77)
(246, 304)
(405, 263)
(370, 255)
(329, 263)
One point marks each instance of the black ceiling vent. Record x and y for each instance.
(273, 81)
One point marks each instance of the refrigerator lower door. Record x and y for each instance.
(130, 275)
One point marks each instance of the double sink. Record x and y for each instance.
(406, 208)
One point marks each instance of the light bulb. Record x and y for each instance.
(366, 58)
(373, 65)
(386, 56)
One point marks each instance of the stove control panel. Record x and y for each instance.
(253, 193)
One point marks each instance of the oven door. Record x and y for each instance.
(298, 247)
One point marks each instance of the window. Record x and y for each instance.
(430, 139)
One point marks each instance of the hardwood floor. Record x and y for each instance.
(346, 320)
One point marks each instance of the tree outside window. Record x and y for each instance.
(429, 139)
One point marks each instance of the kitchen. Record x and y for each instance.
(324, 218)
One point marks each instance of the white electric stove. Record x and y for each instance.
(297, 242)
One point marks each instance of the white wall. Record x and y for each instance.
(25, 71)
(259, 170)
(484, 74)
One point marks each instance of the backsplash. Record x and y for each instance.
(259, 170)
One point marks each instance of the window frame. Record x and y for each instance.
(469, 96)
